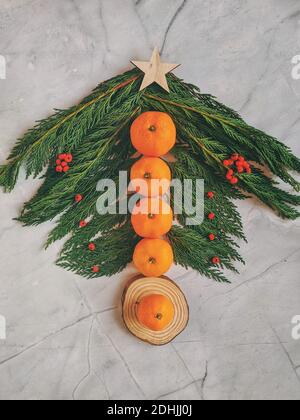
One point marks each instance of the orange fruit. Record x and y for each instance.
(152, 218)
(153, 133)
(153, 257)
(150, 177)
(155, 312)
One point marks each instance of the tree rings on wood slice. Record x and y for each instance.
(140, 287)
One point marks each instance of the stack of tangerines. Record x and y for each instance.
(153, 134)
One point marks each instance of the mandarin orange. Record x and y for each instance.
(153, 134)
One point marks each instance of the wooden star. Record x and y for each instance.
(155, 71)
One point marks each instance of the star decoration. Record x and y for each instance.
(155, 71)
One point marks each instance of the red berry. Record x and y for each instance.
(66, 169)
(249, 171)
(59, 169)
(235, 157)
(78, 198)
(82, 223)
(241, 159)
(92, 247)
(226, 162)
(58, 162)
(239, 163)
(210, 195)
(240, 169)
(234, 181)
(212, 237)
(62, 156)
(246, 165)
(216, 260)
(229, 174)
(95, 269)
(68, 158)
(211, 216)
(64, 164)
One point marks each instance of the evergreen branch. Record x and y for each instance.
(65, 129)
(228, 220)
(91, 164)
(278, 200)
(110, 256)
(191, 250)
(268, 150)
(219, 141)
(206, 114)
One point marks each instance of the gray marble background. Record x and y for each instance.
(65, 338)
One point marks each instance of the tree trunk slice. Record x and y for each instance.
(143, 286)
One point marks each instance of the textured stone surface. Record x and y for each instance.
(65, 338)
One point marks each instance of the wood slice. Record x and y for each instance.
(143, 286)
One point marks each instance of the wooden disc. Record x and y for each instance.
(140, 287)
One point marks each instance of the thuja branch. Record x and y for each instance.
(190, 108)
(77, 111)
(103, 149)
(231, 129)
(66, 129)
(103, 158)
(200, 142)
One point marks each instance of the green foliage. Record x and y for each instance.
(228, 220)
(113, 250)
(96, 132)
(68, 129)
(192, 249)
